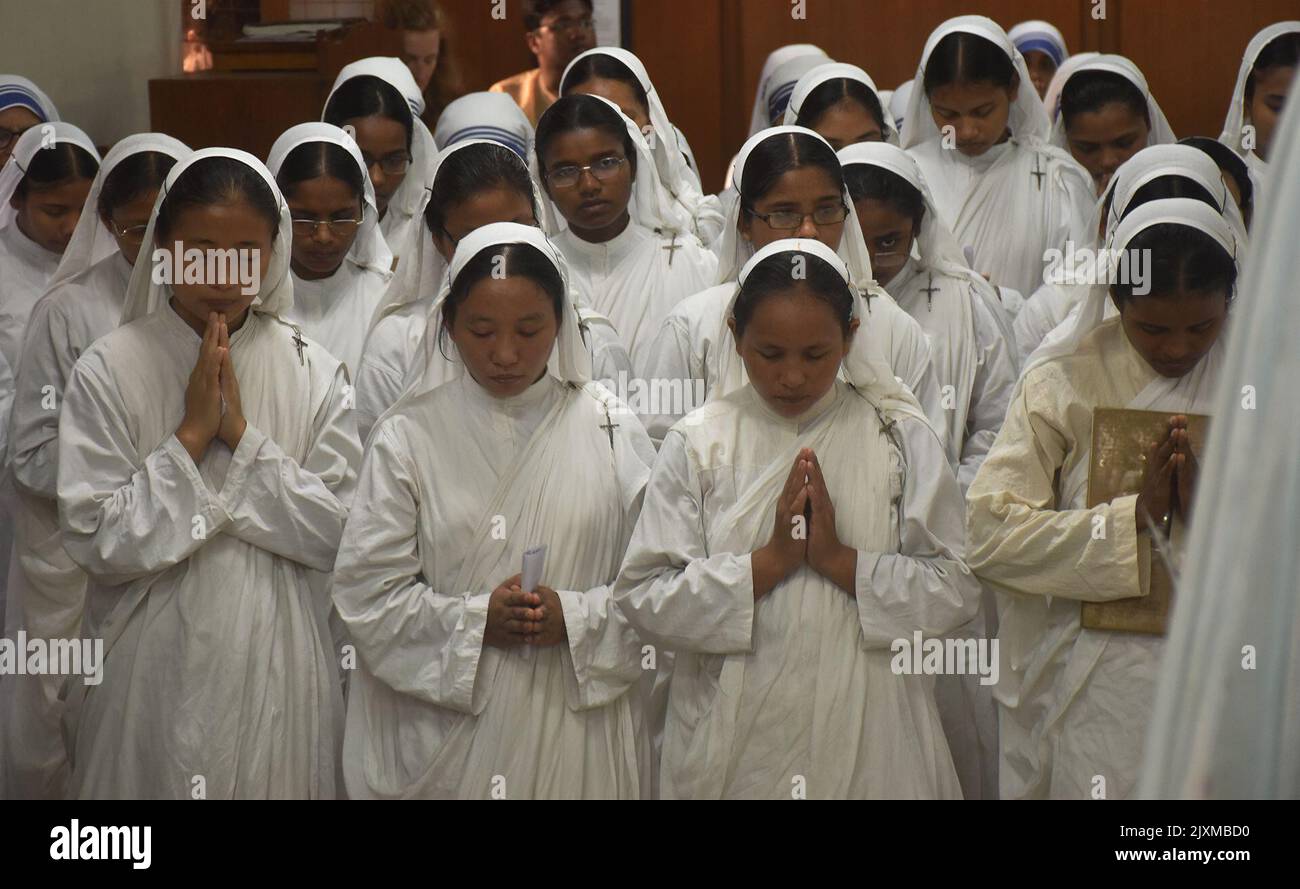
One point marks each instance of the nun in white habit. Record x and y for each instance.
(22, 104)
(794, 694)
(638, 275)
(492, 116)
(1239, 132)
(833, 71)
(402, 224)
(1054, 301)
(48, 590)
(442, 706)
(218, 678)
(1075, 701)
(1016, 199)
(337, 310)
(392, 349)
(26, 266)
(683, 195)
(694, 352)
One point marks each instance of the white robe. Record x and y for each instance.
(1042, 313)
(393, 344)
(635, 278)
(47, 590)
(336, 311)
(25, 268)
(433, 711)
(1074, 702)
(205, 581)
(969, 354)
(996, 204)
(798, 685)
(694, 353)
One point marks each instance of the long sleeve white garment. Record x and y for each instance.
(799, 684)
(48, 593)
(1075, 702)
(337, 311)
(1042, 313)
(1010, 204)
(25, 267)
(973, 365)
(444, 513)
(391, 348)
(203, 578)
(694, 350)
(636, 278)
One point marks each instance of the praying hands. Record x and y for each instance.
(212, 405)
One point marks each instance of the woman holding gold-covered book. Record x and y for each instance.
(1074, 700)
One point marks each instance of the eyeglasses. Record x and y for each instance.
(131, 234)
(339, 228)
(602, 170)
(789, 220)
(394, 164)
(568, 26)
(8, 136)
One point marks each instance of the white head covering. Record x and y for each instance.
(570, 362)
(91, 241)
(735, 251)
(1161, 132)
(648, 206)
(369, 249)
(936, 247)
(836, 71)
(693, 211)
(492, 116)
(780, 86)
(1028, 121)
(1167, 160)
(1041, 36)
(761, 119)
(1065, 339)
(410, 196)
(144, 297)
(1052, 98)
(1236, 117)
(16, 90)
(859, 367)
(898, 102)
(45, 135)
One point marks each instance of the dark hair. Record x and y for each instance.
(216, 180)
(411, 15)
(1092, 90)
(1231, 163)
(773, 276)
(581, 112)
(1171, 186)
(56, 165)
(962, 57)
(536, 10)
(877, 183)
(774, 157)
(1283, 51)
(517, 261)
(473, 169)
(136, 175)
(1182, 258)
(830, 93)
(313, 160)
(603, 67)
(365, 96)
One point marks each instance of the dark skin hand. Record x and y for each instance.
(212, 378)
(1171, 464)
(519, 618)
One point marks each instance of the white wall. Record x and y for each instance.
(93, 58)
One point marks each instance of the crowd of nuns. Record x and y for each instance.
(503, 461)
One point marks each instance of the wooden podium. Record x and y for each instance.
(257, 89)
